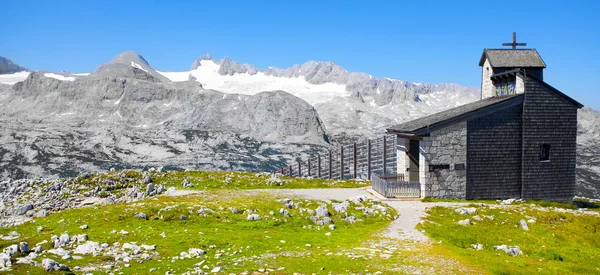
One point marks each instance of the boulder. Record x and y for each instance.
(26, 207)
(464, 222)
(466, 211)
(51, 265)
(5, 261)
(196, 252)
(87, 248)
(41, 213)
(341, 207)
(24, 247)
(322, 211)
(253, 217)
(150, 189)
(11, 250)
(524, 225)
(141, 215)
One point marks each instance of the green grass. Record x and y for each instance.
(116, 181)
(579, 203)
(260, 242)
(557, 243)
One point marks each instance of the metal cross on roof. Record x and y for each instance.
(514, 43)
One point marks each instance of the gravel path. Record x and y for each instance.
(403, 228)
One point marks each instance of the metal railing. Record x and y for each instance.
(394, 186)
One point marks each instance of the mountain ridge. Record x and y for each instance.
(302, 107)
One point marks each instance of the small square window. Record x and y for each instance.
(545, 152)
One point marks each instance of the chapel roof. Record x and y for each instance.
(509, 58)
(442, 119)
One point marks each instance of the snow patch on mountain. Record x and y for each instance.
(207, 73)
(60, 77)
(13, 78)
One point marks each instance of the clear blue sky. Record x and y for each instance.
(418, 41)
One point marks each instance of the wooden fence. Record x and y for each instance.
(358, 160)
(394, 186)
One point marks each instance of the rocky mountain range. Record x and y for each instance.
(219, 115)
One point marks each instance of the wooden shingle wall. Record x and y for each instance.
(494, 155)
(548, 118)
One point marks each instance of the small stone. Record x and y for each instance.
(217, 269)
(322, 211)
(11, 250)
(148, 247)
(464, 222)
(183, 218)
(163, 235)
(234, 210)
(150, 189)
(466, 211)
(141, 215)
(41, 213)
(84, 227)
(5, 261)
(87, 248)
(477, 246)
(24, 247)
(328, 234)
(39, 229)
(332, 227)
(146, 180)
(253, 217)
(341, 207)
(524, 225)
(51, 265)
(196, 252)
(186, 183)
(284, 212)
(26, 207)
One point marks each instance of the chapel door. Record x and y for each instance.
(413, 159)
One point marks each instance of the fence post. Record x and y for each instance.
(290, 170)
(369, 159)
(384, 155)
(342, 162)
(309, 167)
(319, 166)
(354, 160)
(330, 169)
(299, 170)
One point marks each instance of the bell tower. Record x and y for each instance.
(498, 61)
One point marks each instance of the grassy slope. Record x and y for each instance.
(557, 243)
(226, 231)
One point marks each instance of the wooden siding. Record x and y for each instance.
(548, 119)
(494, 155)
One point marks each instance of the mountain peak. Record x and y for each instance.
(206, 56)
(130, 64)
(130, 56)
(196, 62)
(8, 67)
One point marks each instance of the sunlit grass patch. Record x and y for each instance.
(206, 221)
(559, 240)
